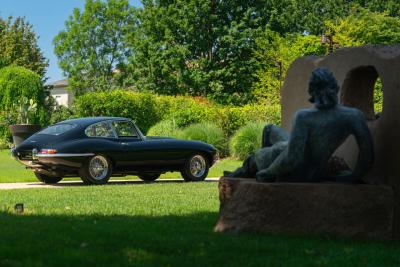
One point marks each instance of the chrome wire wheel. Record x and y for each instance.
(98, 167)
(198, 166)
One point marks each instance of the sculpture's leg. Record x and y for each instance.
(248, 169)
(273, 134)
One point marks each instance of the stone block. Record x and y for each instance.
(360, 211)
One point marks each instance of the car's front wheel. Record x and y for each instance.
(96, 170)
(195, 168)
(47, 179)
(149, 177)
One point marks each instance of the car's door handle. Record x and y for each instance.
(124, 144)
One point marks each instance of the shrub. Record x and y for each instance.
(188, 110)
(140, 107)
(147, 110)
(246, 140)
(208, 133)
(183, 110)
(5, 144)
(17, 83)
(61, 113)
(164, 128)
(230, 119)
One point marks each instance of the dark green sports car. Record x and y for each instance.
(97, 148)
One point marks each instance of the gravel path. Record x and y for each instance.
(8, 186)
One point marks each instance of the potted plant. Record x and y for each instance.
(24, 129)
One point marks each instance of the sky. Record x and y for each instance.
(47, 18)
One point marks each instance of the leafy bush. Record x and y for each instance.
(61, 113)
(188, 110)
(17, 83)
(164, 128)
(4, 143)
(208, 133)
(183, 110)
(246, 140)
(140, 107)
(147, 110)
(231, 119)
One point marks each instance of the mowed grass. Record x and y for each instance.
(158, 224)
(12, 171)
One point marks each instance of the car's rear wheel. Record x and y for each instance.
(149, 177)
(47, 179)
(195, 168)
(96, 170)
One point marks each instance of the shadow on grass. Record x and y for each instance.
(98, 240)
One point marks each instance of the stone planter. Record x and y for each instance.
(20, 132)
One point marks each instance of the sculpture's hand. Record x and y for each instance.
(265, 176)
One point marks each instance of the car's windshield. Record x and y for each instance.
(58, 129)
(125, 129)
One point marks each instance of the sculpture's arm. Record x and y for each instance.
(293, 156)
(365, 145)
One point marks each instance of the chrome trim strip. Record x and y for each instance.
(64, 155)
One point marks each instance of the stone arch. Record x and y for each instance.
(358, 90)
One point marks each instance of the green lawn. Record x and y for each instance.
(13, 171)
(158, 224)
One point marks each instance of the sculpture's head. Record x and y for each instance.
(323, 89)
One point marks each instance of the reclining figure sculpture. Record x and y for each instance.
(317, 132)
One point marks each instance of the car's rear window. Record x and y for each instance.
(58, 129)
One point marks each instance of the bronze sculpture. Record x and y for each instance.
(303, 155)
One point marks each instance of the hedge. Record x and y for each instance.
(140, 107)
(148, 109)
(166, 128)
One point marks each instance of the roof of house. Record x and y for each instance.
(60, 83)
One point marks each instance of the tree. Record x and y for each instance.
(18, 46)
(364, 27)
(274, 54)
(92, 50)
(188, 47)
(196, 47)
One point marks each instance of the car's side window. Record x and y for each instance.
(100, 129)
(124, 129)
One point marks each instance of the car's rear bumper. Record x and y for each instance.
(50, 161)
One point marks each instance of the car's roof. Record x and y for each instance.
(90, 120)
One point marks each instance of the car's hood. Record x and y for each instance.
(179, 143)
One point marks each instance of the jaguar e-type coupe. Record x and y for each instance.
(97, 148)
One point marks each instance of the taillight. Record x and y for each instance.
(48, 151)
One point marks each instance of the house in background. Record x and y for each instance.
(60, 93)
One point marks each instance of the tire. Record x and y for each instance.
(149, 177)
(47, 179)
(195, 168)
(96, 170)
